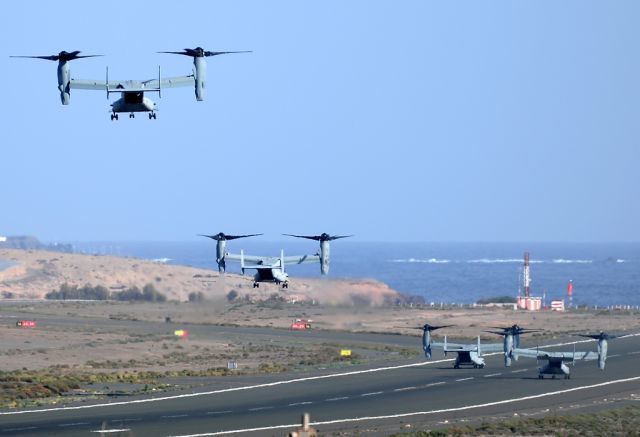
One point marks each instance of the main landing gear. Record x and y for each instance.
(256, 285)
(114, 116)
(152, 115)
(285, 285)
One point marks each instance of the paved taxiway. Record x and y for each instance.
(367, 399)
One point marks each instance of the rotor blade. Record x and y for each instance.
(335, 237)
(233, 237)
(309, 237)
(48, 58)
(497, 332)
(213, 237)
(225, 53)
(178, 53)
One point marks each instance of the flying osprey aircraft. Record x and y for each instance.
(132, 98)
(270, 268)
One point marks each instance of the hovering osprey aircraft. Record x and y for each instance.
(132, 98)
(556, 360)
(270, 268)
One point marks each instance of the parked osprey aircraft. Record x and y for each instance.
(467, 354)
(270, 268)
(471, 354)
(511, 336)
(132, 98)
(556, 360)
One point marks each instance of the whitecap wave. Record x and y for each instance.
(422, 261)
(620, 261)
(161, 260)
(572, 261)
(500, 261)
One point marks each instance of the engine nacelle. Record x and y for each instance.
(221, 248)
(325, 251)
(64, 82)
(602, 353)
(200, 76)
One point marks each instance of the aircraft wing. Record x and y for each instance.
(170, 82)
(492, 347)
(88, 84)
(147, 85)
(303, 259)
(564, 356)
(253, 261)
(453, 347)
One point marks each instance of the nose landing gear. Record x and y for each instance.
(114, 116)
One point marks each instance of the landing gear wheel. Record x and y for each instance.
(540, 377)
(132, 115)
(481, 366)
(456, 366)
(256, 285)
(285, 285)
(553, 376)
(567, 376)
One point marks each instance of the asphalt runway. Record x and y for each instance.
(374, 401)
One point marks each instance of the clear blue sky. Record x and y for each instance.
(412, 120)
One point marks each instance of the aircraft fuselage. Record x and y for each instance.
(133, 102)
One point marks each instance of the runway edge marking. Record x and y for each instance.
(269, 384)
(417, 413)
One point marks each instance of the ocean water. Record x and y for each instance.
(603, 274)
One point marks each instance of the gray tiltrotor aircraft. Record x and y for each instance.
(556, 360)
(269, 268)
(467, 354)
(132, 91)
(511, 336)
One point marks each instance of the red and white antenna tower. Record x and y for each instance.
(526, 276)
(570, 292)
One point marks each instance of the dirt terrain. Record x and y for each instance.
(114, 337)
(37, 272)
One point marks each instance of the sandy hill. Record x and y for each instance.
(33, 273)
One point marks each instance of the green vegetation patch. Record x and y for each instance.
(622, 421)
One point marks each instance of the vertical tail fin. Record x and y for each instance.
(282, 260)
(479, 351)
(242, 260)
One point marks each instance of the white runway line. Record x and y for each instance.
(174, 416)
(435, 383)
(269, 384)
(417, 413)
(300, 403)
(341, 398)
(464, 379)
(405, 388)
(73, 424)
(371, 394)
(218, 412)
(520, 371)
(492, 375)
(109, 431)
(261, 408)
